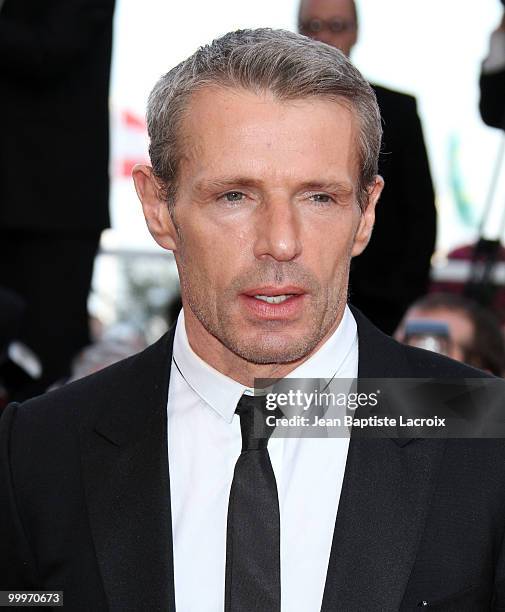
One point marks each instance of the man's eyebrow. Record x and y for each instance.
(342, 187)
(225, 183)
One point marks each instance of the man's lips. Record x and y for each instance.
(286, 302)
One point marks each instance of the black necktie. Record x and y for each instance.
(253, 575)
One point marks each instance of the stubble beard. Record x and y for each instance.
(269, 344)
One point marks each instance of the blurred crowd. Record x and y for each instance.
(54, 77)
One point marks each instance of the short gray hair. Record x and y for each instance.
(288, 65)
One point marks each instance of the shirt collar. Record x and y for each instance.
(222, 393)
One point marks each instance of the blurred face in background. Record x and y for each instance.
(461, 329)
(333, 22)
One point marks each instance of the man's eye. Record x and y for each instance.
(234, 196)
(321, 198)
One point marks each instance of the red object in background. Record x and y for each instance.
(127, 166)
(481, 258)
(483, 255)
(133, 121)
(130, 143)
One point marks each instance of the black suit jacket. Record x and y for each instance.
(394, 268)
(85, 499)
(492, 99)
(54, 118)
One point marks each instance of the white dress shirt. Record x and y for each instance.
(204, 442)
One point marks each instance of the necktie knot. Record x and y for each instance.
(253, 422)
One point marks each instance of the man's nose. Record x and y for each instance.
(325, 36)
(278, 231)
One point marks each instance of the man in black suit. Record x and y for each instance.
(54, 78)
(264, 149)
(395, 268)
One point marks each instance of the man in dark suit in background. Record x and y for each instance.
(54, 149)
(492, 80)
(264, 149)
(394, 270)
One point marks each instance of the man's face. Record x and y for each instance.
(266, 221)
(337, 19)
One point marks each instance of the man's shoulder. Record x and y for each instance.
(112, 389)
(498, 76)
(432, 365)
(395, 102)
(392, 95)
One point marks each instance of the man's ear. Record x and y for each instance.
(158, 219)
(367, 220)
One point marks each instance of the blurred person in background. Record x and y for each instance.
(394, 270)
(54, 150)
(115, 342)
(492, 79)
(458, 327)
(12, 309)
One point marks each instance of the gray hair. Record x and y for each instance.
(288, 65)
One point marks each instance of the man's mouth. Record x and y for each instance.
(274, 299)
(271, 291)
(274, 303)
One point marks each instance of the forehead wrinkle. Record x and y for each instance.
(193, 145)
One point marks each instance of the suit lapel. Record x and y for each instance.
(126, 480)
(383, 504)
(384, 500)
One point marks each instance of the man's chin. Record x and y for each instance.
(273, 350)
